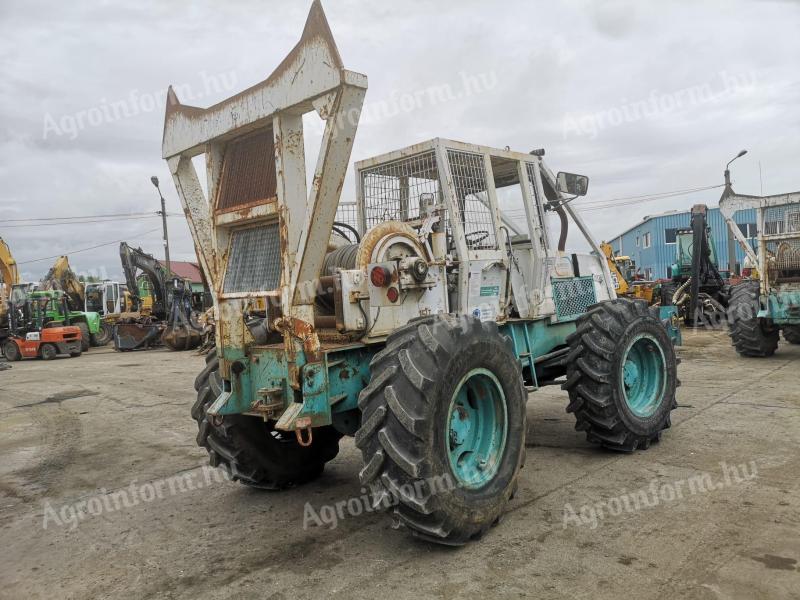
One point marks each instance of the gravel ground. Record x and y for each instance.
(75, 433)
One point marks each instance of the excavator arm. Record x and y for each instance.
(62, 277)
(135, 259)
(171, 306)
(620, 284)
(9, 275)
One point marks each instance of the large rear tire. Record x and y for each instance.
(252, 451)
(103, 335)
(667, 292)
(751, 336)
(621, 375)
(791, 333)
(443, 427)
(85, 336)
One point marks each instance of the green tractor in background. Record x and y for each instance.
(697, 287)
(58, 313)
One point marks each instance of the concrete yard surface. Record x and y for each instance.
(103, 494)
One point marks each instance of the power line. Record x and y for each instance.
(25, 262)
(62, 224)
(81, 217)
(658, 194)
(629, 200)
(85, 222)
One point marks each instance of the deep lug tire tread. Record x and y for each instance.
(593, 383)
(245, 447)
(750, 335)
(399, 421)
(791, 333)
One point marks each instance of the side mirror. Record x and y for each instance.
(572, 184)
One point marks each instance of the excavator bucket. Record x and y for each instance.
(182, 337)
(135, 336)
(182, 332)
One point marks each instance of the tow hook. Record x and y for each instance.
(301, 425)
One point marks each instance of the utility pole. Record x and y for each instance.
(163, 213)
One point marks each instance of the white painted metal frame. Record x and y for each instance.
(311, 78)
(465, 255)
(730, 203)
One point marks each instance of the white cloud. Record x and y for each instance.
(549, 59)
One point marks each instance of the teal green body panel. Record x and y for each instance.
(330, 386)
(669, 317)
(532, 339)
(325, 387)
(783, 308)
(682, 268)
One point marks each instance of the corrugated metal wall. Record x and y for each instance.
(657, 259)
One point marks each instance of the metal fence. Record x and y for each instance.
(393, 190)
(782, 236)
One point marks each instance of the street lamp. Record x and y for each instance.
(163, 213)
(728, 171)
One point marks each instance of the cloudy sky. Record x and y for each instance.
(642, 97)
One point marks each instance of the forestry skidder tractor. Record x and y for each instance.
(759, 309)
(696, 288)
(422, 339)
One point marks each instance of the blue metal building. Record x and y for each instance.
(651, 242)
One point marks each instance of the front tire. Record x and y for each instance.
(252, 451)
(48, 352)
(751, 336)
(791, 333)
(443, 427)
(621, 375)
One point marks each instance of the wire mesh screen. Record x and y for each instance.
(255, 260)
(783, 255)
(780, 220)
(347, 212)
(573, 296)
(469, 180)
(248, 171)
(392, 191)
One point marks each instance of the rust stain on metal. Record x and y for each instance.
(248, 171)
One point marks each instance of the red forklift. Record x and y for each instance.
(29, 334)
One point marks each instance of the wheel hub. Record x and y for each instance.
(477, 426)
(644, 375)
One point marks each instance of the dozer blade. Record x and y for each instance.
(132, 336)
(182, 337)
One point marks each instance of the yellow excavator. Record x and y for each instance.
(9, 276)
(622, 274)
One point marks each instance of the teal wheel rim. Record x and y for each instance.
(477, 427)
(644, 375)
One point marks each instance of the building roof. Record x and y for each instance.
(666, 213)
(184, 270)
